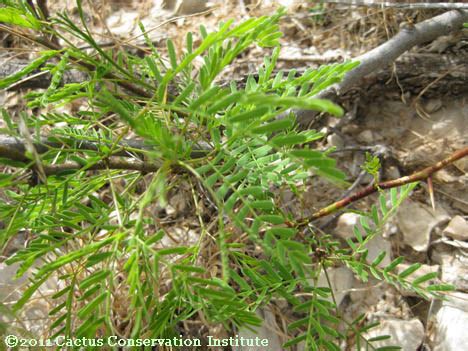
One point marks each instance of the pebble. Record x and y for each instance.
(416, 222)
(334, 140)
(341, 280)
(424, 269)
(267, 330)
(407, 333)
(346, 222)
(433, 105)
(457, 228)
(366, 136)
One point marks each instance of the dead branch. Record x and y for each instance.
(50, 44)
(388, 52)
(395, 5)
(415, 177)
(407, 38)
(14, 148)
(108, 163)
(370, 63)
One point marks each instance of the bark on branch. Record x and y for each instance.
(124, 154)
(415, 177)
(15, 148)
(11, 146)
(388, 52)
(405, 5)
(108, 163)
(407, 38)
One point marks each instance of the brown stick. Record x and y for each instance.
(418, 176)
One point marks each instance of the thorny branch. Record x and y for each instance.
(415, 177)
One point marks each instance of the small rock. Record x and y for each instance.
(450, 325)
(454, 265)
(441, 126)
(34, 314)
(375, 246)
(350, 128)
(323, 130)
(169, 4)
(341, 280)
(345, 225)
(335, 140)
(267, 330)
(9, 284)
(407, 334)
(189, 7)
(416, 222)
(457, 228)
(433, 105)
(392, 172)
(122, 23)
(444, 176)
(366, 293)
(462, 165)
(366, 136)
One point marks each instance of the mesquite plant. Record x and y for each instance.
(86, 194)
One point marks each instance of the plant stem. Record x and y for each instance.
(417, 176)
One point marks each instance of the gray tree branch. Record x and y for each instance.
(388, 52)
(125, 155)
(407, 38)
(404, 5)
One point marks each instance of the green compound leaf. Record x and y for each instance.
(17, 17)
(45, 56)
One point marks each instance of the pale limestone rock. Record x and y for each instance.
(409, 334)
(366, 136)
(34, 315)
(393, 172)
(457, 228)
(122, 23)
(375, 246)
(433, 105)
(189, 7)
(334, 140)
(267, 330)
(454, 265)
(341, 280)
(416, 222)
(424, 269)
(451, 321)
(346, 222)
